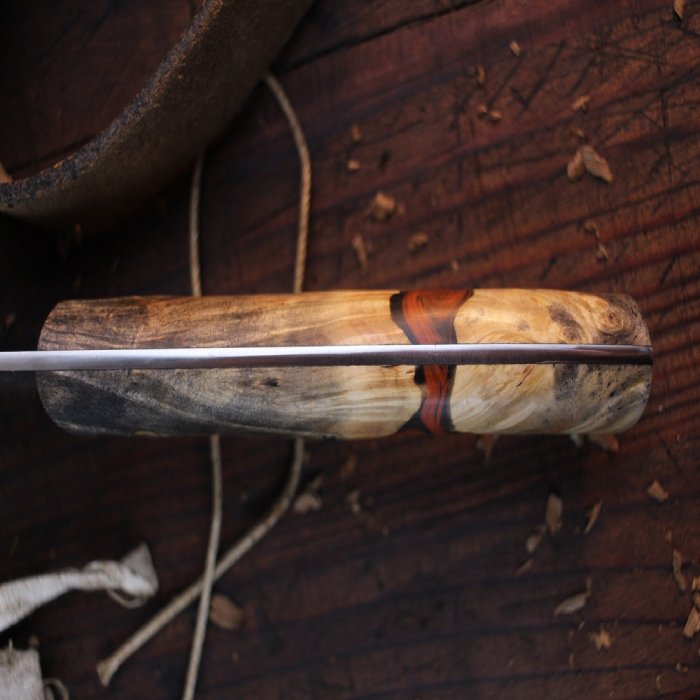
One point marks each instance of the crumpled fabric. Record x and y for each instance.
(133, 576)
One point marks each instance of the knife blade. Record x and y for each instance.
(323, 356)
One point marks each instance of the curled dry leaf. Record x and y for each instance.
(679, 8)
(593, 514)
(657, 492)
(595, 164)
(382, 207)
(358, 245)
(580, 104)
(417, 242)
(514, 47)
(353, 165)
(225, 613)
(575, 167)
(692, 624)
(677, 566)
(534, 539)
(553, 512)
(601, 639)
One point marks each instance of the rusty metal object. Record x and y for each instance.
(197, 89)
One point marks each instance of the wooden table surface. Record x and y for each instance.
(415, 597)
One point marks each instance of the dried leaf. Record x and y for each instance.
(514, 48)
(355, 133)
(485, 444)
(553, 512)
(417, 242)
(534, 539)
(605, 441)
(353, 165)
(692, 624)
(382, 207)
(578, 133)
(679, 8)
(309, 499)
(224, 613)
(495, 116)
(593, 514)
(600, 639)
(480, 76)
(657, 492)
(595, 164)
(580, 104)
(306, 502)
(677, 565)
(358, 245)
(572, 604)
(575, 167)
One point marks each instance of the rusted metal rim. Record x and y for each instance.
(201, 84)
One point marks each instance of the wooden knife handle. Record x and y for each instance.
(348, 402)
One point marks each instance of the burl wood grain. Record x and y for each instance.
(348, 402)
(417, 595)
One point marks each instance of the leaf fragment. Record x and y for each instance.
(572, 604)
(417, 242)
(581, 103)
(593, 514)
(677, 566)
(514, 47)
(575, 167)
(224, 613)
(601, 639)
(534, 539)
(358, 245)
(692, 624)
(595, 164)
(553, 513)
(657, 492)
(382, 207)
(679, 8)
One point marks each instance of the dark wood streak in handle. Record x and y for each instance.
(347, 402)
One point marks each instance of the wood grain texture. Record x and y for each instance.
(416, 596)
(348, 402)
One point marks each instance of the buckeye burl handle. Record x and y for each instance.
(348, 402)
